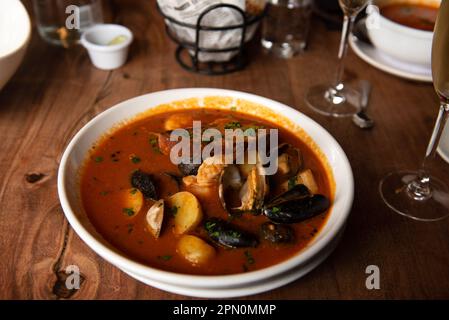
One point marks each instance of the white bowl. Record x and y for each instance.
(15, 31)
(399, 41)
(208, 286)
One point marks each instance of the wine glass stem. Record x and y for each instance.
(348, 23)
(419, 188)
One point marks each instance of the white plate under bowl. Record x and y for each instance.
(77, 150)
(388, 64)
(443, 148)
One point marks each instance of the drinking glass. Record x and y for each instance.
(417, 194)
(52, 16)
(337, 98)
(285, 28)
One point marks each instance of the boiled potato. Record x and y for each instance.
(187, 211)
(132, 201)
(306, 178)
(195, 250)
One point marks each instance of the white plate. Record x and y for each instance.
(443, 148)
(76, 151)
(386, 63)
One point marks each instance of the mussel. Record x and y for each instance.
(296, 210)
(144, 182)
(298, 191)
(188, 169)
(277, 233)
(289, 160)
(227, 235)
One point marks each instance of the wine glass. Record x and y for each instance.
(417, 194)
(338, 99)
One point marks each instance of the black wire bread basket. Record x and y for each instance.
(190, 55)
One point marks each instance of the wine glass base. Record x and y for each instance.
(328, 101)
(393, 190)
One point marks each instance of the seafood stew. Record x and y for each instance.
(417, 16)
(207, 218)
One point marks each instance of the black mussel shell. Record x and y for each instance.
(188, 169)
(227, 235)
(277, 233)
(144, 182)
(294, 211)
(298, 191)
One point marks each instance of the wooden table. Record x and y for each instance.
(56, 91)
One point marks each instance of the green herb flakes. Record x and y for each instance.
(135, 159)
(98, 159)
(165, 257)
(128, 211)
(249, 257)
(233, 125)
(291, 182)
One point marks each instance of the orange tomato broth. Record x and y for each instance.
(417, 16)
(101, 182)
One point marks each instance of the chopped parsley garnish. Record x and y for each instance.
(210, 225)
(165, 257)
(249, 257)
(233, 125)
(128, 211)
(234, 234)
(154, 145)
(211, 228)
(291, 182)
(133, 191)
(275, 210)
(103, 193)
(234, 108)
(153, 141)
(135, 159)
(98, 159)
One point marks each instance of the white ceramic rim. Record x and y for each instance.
(26, 39)
(142, 270)
(386, 67)
(106, 48)
(259, 287)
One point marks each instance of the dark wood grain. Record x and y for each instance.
(56, 91)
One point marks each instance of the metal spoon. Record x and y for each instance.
(361, 119)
